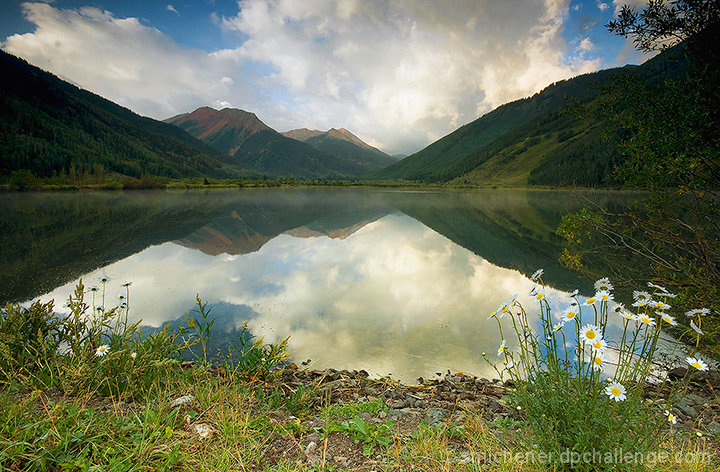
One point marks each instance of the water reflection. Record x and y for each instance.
(389, 282)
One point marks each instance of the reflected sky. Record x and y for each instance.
(393, 282)
(394, 297)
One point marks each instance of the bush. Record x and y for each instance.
(582, 407)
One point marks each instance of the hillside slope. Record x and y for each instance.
(48, 126)
(535, 140)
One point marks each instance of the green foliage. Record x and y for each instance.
(89, 349)
(574, 400)
(347, 410)
(51, 129)
(370, 435)
(68, 437)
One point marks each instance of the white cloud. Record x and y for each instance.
(172, 9)
(602, 6)
(125, 61)
(398, 74)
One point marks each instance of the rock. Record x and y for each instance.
(684, 407)
(184, 400)
(713, 428)
(312, 437)
(436, 415)
(382, 415)
(398, 404)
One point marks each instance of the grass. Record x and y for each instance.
(117, 413)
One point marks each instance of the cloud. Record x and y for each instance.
(398, 74)
(125, 61)
(172, 9)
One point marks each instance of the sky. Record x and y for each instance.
(398, 74)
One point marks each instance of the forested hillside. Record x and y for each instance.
(555, 137)
(50, 127)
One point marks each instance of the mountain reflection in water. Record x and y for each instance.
(386, 281)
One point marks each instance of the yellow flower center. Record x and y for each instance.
(597, 345)
(591, 301)
(615, 391)
(571, 315)
(696, 365)
(598, 361)
(645, 319)
(539, 296)
(590, 334)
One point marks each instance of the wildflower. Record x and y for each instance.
(660, 305)
(604, 296)
(671, 418)
(616, 391)
(509, 365)
(538, 273)
(558, 326)
(695, 327)
(121, 297)
(492, 314)
(667, 318)
(126, 284)
(591, 301)
(628, 316)
(698, 311)
(603, 284)
(573, 293)
(641, 296)
(104, 279)
(599, 345)
(133, 355)
(699, 364)
(94, 289)
(502, 348)
(590, 333)
(659, 287)
(598, 361)
(539, 296)
(102, 350)
(645, 319)
(569, 315)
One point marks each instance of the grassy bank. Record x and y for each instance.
(88, 391)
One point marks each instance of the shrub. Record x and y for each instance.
(581, 392)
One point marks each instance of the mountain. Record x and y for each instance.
(342, 143)
(535, 140)
(251, 143)
(48, 126)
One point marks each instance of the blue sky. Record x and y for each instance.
(399, 74)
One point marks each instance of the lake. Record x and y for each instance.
(391, 281)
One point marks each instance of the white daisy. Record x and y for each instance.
(590, 301)
(659, 287)
(658, 305)
(603, 284)
(667, 318)
(671, 418)
(569, 315)
(539, 296)
(599, 345)
(102, 350)
(558, 326)
(645, 319)
(699, 364)
(698, 311)
(695, 327)
(598, 360)
(641, 296)
(573, 293)
(538, 273)
(502, 348)
(604, 296)
(616, 391)
(590, 333)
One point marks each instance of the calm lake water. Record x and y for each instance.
(391, 281)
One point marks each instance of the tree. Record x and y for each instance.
(670, 141)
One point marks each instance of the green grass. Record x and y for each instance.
(245, 417)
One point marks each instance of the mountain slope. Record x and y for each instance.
(49, 126)
(345, 145)
(535, 140)
(251, 143)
